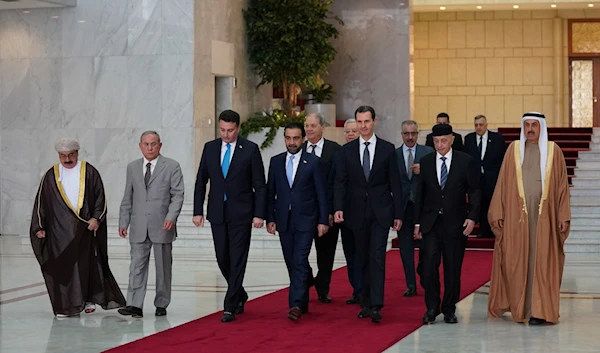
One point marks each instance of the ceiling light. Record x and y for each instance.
(26, 11)
(54, 17)
(515, 6)
(81, 21)
(442, 8)
(479, 7)
(590, 5)
(553, 5)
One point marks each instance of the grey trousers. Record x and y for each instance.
(138, 273)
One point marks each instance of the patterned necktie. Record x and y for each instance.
(443, 173)
(366, 165)
(313, 149)
(411, 162)
(480, 147)
(148, 174)
(289, 170)
(226, 160)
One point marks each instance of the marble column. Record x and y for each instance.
(372, 66)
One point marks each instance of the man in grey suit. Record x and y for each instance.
(409, 155)
(151, 204)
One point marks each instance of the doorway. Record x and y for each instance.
(584, 76)
(223, 98)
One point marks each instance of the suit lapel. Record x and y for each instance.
(160, 165)
(403, 161)
(377, 159)
(239, 148)
(301, 164)
(454, 164)
(141, 171)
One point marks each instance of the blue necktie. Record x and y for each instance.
(366, 165)
(225, 164)
(443, 173)
(289, 170)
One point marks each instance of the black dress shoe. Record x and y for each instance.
(131, 311)
(450, 319)
(364, 313)
(410, 292)
(160, 312)
(429, 316)
(324, 298)
(295, 313)
(535, 321)
(375, 315)
(227, 317)
(353, 300)
(240, 308)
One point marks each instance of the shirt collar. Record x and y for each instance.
(371, 140)
(223, 143)
(296, 156)
(319, 144)
(448, 155)
(405, 148)
(483, 137)
(153, 162)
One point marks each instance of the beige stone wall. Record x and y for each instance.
(497, 63)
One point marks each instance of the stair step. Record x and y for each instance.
(585, 201)
(586, 172)
(586, 182)
(585, 209)
(584, 191)
(593, 155)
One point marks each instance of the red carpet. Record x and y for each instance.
(333, 327)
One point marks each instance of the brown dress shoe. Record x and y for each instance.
(295, 313)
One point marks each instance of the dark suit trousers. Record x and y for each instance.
(349, 246)
(486, 198)
(371, 242)
(296, 248)
(325, 246)
(406, 243)
(449, 245)
(232, 244)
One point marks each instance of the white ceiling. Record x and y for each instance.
(30, 4)
(504, 6)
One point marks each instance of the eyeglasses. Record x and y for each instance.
(65, 156)
(411, 133)
(350, 131)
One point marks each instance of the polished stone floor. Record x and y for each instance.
(27, 323)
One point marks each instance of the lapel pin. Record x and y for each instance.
(304, 161)
(240, 146)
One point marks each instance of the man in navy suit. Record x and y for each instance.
(237, 200)
(297, 209)
(409, 156)
(487, 148)
(368, 198)
(444, 118)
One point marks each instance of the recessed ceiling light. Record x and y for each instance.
(479, 7)
(553, 5)
(590, 5)
(442, 8)
(515, 6)
(81, 21)
(55, 17)
(26, 11)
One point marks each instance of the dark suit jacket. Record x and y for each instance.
(408, 184)
(492, 160)
(307, 196)
(244, 184)
(463, 179)
(457, 145)
(327, 164)
(383, 190)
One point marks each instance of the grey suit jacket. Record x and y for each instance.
(145, 210)
(408, 184)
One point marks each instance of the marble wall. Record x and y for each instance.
(102, 72)
(372, 66)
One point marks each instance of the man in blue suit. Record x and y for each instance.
(409, 155)
(297, 209)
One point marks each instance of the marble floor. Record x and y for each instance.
(27, 323)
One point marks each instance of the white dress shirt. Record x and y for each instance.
(224, 149)
(318, 147)
(484, 142)
(152, 166)
(405, 149)
(295, 162)
(70, 178)
(361, 150)
(439, 164)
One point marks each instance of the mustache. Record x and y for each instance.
(530, 133)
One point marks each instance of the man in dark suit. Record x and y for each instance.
(444, 118)
(409, 156)
(487, 148)
(444, 220)
(237, 200)
(297, 209)
(324, 149)
(368, 198)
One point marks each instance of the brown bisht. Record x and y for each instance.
(73, 259)
(508, 288)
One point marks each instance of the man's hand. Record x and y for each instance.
(322, 228)
(563, 226)
(93, 224)
(123, 232)
(198, 221)
(258, 222)
(168, 225)
(397, 225)
(497, 231)
(417, 233)
(331, 220)
(271, 227)
(469, 225)
(41, 234)
(416, 168)
(338, 216)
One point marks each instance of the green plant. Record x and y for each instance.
(272, 121)
(322, 93)
(289, 42)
